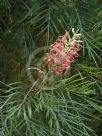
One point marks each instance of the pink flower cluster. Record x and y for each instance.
(63, 52)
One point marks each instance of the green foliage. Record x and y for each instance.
(66, 106)
(66, 109)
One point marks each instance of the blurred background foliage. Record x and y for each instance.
(72, 106)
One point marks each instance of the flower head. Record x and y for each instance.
(63, 52)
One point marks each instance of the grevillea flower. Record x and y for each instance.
(63, 52)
